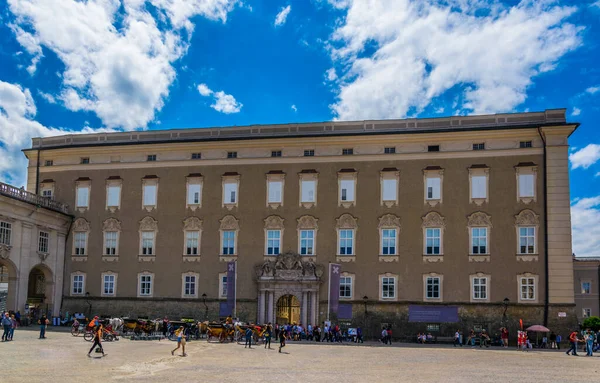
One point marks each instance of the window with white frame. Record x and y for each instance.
(433, 187)
(192, 240)
(388, 241)
(479, 187)
(80, 243)
(390, 189)
(526, 182)
(480, 288)
(345, 287)
(433, 178)
(110, 242)
(275, 191)
(47, 188)
(347, 187)
(433, 238)
(432, 287)
(77, 284)
(228, 240)
(479, 241)
(347, 190)
(527, 240)
(527, 288)
(586, 287)
(43, 242)
(526, 188)
(194, 192)
(587, 312)
(148, 238)
(273, 242)
(223, 285)
(346, 242)
(113, 194)
(109, 284)
(388, 287)
(189, 285)
(230, 190)
(47, 193)
(309, 188)
(150, 193)
(82, 192)
(145, 285)
(5, 233)
(307, 242)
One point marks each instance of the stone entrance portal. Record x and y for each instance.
(288, 289)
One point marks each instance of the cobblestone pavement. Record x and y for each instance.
(62, 357)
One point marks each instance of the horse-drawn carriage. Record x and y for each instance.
(138, 326)
(258, 333)
(218, 332)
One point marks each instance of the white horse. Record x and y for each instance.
(116, 323)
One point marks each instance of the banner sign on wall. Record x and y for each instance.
(433, 314)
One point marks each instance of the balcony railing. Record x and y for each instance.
(22, 195)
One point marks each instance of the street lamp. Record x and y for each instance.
(87, 300)
(205, 306)
(505, 304)
(365, 299)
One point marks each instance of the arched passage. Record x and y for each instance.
(40, 291)
(288, 309)
(8, 285)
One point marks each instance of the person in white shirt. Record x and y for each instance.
(384, 336)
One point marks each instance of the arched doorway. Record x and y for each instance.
(8, 285)
(40, 291)
(4, 288)
(288, 309)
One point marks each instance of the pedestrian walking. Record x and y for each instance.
(43, 322)
(504, 336)
(552, 340)
(558, 340)
(456, 338)
(573, 341)
(13, 326)
(359, 335)
(7, 325)
(248, 337)
(97, 340)
(180, 334)
(389, 335)
(384, 336)
(268, 334)
(165, 326)
(282, 338)
(589, 343)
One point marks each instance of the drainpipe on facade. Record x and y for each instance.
(37, 174)
(546, 282)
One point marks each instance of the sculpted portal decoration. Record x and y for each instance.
(289, 266)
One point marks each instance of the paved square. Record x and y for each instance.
(62, 357)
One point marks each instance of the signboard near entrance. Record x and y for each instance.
(562, 314)
(433, 314)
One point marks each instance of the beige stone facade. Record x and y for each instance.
(586, 271)
(399, 204)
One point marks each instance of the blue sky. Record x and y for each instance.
(102, 65)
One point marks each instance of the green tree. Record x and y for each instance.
(592, 323)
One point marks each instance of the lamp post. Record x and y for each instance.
(365, 299)
(205, 306)
(87, 300)
(505, 304)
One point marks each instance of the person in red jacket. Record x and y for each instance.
(573, 339)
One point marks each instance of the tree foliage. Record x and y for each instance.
(592, 323)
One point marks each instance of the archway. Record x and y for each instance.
(40, 294)
(8, 285)
(288, 310)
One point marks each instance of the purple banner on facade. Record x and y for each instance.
(433, 314)
(334, 286)
(231, 271)
(224, 310)
(345, 311)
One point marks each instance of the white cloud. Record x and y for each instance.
(593, 89)
(282, 16)
(597, 174)
(586, 157)
(331, 75)
(576, 111)
(294, 108)
(48, 97)
(439, 110)
(585, 221)
(17, 127)
(420, 51)
(596, 4)
(118, 56)
(223, 102)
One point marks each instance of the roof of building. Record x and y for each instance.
(549, 117)
(587, 259)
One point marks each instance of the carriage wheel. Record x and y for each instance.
(88, 336)
(75, 331)
(109, 337)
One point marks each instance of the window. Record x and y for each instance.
(77, 284)
(527, 240)
(230, 185)
(479, 240)
(480, 288)
(43, 242)
(223, 285)
(151, 157)
(527, 288)
(346, 287)
(83, 195)
(432, 288)
(230, 193)
(189, 286)
(390, 189)
(276, 153)
(196, 156)
(273, 242)
(525, 144)
(347, 190)
(433, 239)
(231, 154)
(390, 150)
(113, 195)
(145, 287)
(148, 243)
(110, 243)
(308, 190)
(228, 242)
(526, 182)
(85, 160)
(347, 151)
(275, 191)
(109, 285)
(478, 186)
(191, 242)
(388, 241)
(47, 193)
(388, 287)
(309, 153)
(307, 242)
(49, 163)
(346, 242)
(150, 189)
(587, 313)
(526, 188)
(80, 245)
(433, 148)
(586, 287)
(5, 233)
(433, 188)
(194, 191)
(480, 146)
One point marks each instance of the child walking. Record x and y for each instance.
(180, 334)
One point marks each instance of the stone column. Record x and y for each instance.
(313, 308)
(261, 307)
(304, 316)
(270, 313)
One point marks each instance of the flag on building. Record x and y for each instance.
(334, 286)
(231, 288)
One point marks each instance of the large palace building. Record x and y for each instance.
(425, 216)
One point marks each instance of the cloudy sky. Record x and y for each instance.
(101, 65)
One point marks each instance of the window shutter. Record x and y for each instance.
(389, 189)
(478, 187)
